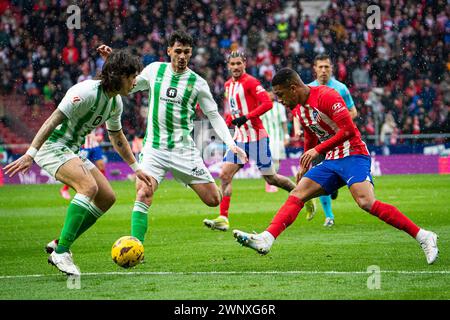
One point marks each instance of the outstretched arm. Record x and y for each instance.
(104, 51)
(121, 145)
(209, 108)
(23, 164)
(141, 81)
(222, 131)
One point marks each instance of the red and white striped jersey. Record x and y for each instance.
(247, 97)
(91, 140)
(323, 116)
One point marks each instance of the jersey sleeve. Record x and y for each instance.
(114, 121)
(76, 99)
(143, 80)
(345, 93)
(205, 98)
(262, 97)
(209, 108)
(332, 104)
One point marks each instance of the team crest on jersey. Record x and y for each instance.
(171, 92)
(189, 87)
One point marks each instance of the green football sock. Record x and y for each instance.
(89, 219)
(78, 209)
(139, 220)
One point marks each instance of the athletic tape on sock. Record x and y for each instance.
(81, 200)
(141, 207)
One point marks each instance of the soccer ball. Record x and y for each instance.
(127, 252)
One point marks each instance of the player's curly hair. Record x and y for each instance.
(119, 63)
(182, 37)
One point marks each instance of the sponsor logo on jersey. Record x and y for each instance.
(337, 107)
(171, 92)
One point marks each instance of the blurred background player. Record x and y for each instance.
(92, 150)
(175, 91)
(248, 100)
(55, 147)
(329, 129)
(137, 143)
(323, 69)
(275, 122)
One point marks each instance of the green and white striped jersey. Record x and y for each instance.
(172, 101)
(273, 120)
(86, 107)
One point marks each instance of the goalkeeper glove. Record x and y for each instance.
(239, 121)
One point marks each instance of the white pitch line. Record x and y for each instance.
(207, 273)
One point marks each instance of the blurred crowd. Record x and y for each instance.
(398, 74)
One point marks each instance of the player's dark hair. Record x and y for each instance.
(119, 63)
(182, 37)
(286, 76)
(321, 57)
(237, 54)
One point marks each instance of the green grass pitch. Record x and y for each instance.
(185, 260)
